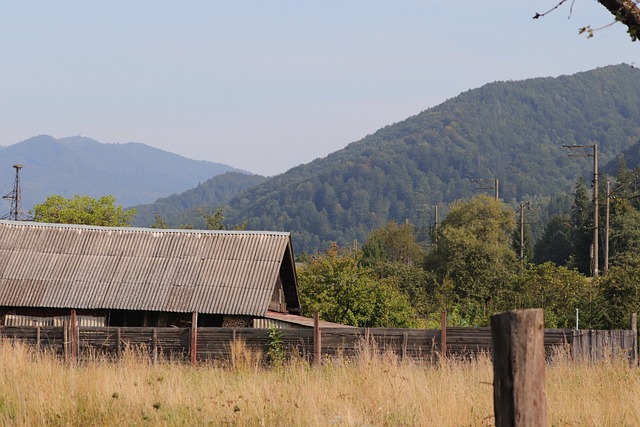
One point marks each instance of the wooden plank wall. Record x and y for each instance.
(215, 343)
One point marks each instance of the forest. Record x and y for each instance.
(514, 132)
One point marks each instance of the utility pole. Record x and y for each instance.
(16, 197)
(582, 153)
(483, 184)
(606, 232)
(523, 205)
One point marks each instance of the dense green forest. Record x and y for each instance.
(185, 208)
(472, 269)
(510, 131)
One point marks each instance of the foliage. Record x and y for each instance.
(556, 244)
(160, 223)
(275, 349)
(342, 291)
(393, 243)
(559, 291)
(83, 210)
(620, 289)
(186, 207)
(473, 261)
(512, 131)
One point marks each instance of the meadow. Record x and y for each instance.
(374, 389)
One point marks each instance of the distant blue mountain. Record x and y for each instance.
(134, 173)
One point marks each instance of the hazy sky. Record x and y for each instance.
(267, 85)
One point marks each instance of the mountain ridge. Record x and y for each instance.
(133, 172)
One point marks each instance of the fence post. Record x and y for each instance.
(74, 349)
(405, 339)
(194, 337)
(317, 340)
(154, 343)
(118, 344)
(443, 337)
(519, 396)
(38, 338)
(65, 340)
(634, 328)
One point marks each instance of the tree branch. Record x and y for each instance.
(627, 12)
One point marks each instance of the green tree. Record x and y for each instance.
(475, 257)
(582, 222)
(83, 210)
(342, 291)
(215, 220)
(620, 289)
(159, 223)
(393, 243)
(556, 244)
(559, 291)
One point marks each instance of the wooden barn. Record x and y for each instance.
(106, 276)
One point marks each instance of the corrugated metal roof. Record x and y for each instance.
(87, 267)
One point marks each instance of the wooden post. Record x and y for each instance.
(118, 344)
(405, 339)
(38, 338)
(519, 396)
(194, 337)
(634, 328)
(317, 340)
(65, 341)
(154, 343)
(74, 349)
(443, 337)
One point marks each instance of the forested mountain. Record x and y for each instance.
(511, 131)
(134, 173)
(181, 209)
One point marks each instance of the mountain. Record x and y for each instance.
(181, 209)
(511, 131)
(134, 173)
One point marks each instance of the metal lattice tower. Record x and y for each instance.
(16, 198)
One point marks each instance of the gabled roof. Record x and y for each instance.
(89, 267)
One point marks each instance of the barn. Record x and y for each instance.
(106, 276)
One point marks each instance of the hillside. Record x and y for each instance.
(180, 209)
(134, 173)
(513, 131)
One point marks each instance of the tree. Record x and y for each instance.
(559, 291)
(620, 289)
(393, 243)
(159, 223)
(215, 220)
(475, 257)
(624, 11)
(556, 244)
(83, 210)
(342, 291)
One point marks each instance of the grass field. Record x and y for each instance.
(373, 390)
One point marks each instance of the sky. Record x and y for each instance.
(267, 85)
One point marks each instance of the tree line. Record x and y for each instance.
(469, 265)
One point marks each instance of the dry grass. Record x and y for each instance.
(374, 390)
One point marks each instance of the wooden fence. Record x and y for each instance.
(216, 343)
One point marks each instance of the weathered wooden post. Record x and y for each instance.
(443, 337)
(317, 340)
(194, 338)
(118, 344)
(65, 340)
(634, 328)
(519, 395)
(154, 344)
(74, 327)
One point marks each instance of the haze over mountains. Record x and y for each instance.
(511, 131)
(134, 173)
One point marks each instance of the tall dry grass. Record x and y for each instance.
(376, 389)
